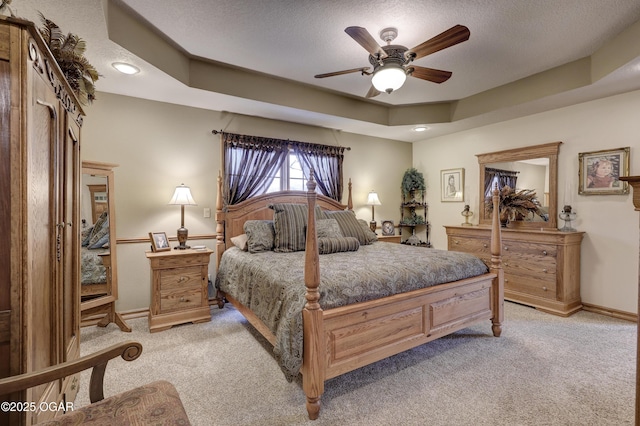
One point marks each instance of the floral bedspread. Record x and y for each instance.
(92, 271)
(272, 284)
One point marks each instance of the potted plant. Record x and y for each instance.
(412, 181)
(515, 204)
(68, 51)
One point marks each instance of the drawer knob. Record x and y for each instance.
(506, 280)
(544, 270)
(506, 248)
(182, 278)
(484, 245)
(544, 289)
(544, 252)
(182, 299)
(456, 242)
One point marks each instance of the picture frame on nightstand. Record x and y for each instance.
(159, 241)
(388, 228)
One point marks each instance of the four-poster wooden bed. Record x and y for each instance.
(341, 339)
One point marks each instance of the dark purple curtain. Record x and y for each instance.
(504, 177)
(250, 163)
(326, 162)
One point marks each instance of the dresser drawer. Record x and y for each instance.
(529, 250)
(180, 278)
(477, 246)
(180, 299)
(532, 286)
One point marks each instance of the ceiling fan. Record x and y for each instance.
(392, 63)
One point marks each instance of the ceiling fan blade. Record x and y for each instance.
(366, 40)
(429, 74)
(452, 36)
(331, 74)
(372, 92)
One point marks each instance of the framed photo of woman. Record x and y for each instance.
(452, 185)
(599, 172)
(159, 241)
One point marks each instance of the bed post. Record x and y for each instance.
(349, 200)
(220, 237)
(496, 266)
(313, 367)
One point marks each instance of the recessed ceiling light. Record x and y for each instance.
(125, 68)
(420, 128)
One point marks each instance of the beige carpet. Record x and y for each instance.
(544, 370)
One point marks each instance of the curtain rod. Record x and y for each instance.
(216, 132)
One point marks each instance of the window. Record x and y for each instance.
(289, 176)
(255, 166)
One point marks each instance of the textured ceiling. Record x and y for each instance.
(293, 40)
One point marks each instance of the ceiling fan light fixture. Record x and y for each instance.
(389, 77)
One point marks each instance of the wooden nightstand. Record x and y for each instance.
(389, 238)
(179, 281)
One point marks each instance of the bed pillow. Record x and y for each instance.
(100, 229)
(349, 225)
(328, 228)
(289, 222)
(371, 236)
(337, 245)
(240, 241)
(260, 235)
(101, 242)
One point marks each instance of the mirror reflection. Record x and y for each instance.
(95, 236)
(533, 168)
(532, 174)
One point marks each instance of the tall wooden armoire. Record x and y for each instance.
(40, 121)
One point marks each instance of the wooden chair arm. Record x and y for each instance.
(128, 350)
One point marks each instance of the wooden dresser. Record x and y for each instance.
(541, 268)
(179, 280)
(40, 121)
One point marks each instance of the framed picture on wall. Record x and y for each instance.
(599, 172)
(159, 241)
(452, 185)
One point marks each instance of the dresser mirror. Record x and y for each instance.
(534, 168)
(98, 261)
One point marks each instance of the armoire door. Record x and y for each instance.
(44, 242)
(70, 273)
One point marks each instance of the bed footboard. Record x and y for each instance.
(342, 339)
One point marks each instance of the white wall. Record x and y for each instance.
(159, 146)
(609, 269)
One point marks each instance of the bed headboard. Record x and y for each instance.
(230, 221)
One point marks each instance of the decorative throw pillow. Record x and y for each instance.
(371, 236)
(100, 243)
(349, 225)
(260, 235)
(100, 229)
(328, 228)
(290, 222)
(240, 241)
(337, 245)
(85, 236)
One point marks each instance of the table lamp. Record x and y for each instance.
(373, 201)
(182, 196)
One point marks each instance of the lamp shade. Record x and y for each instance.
(389, 77)
(373, 200)
(182, 196)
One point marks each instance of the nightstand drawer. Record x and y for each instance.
(180, 278)
(180, 299)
